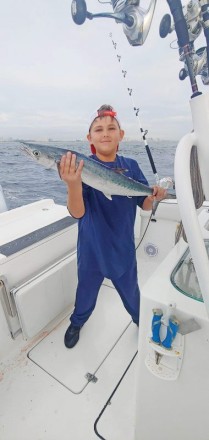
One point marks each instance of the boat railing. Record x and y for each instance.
(194, 232)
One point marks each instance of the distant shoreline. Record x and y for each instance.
(139, 141)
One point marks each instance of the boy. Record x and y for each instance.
(106, 245)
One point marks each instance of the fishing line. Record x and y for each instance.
(136, 110)
(149, 220)
(111, 396)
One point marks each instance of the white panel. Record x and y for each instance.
(44, 297)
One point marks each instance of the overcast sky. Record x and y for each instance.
(54, 74)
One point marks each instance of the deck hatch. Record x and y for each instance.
(98, 337)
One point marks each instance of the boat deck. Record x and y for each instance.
(45, 391)
(57, 400)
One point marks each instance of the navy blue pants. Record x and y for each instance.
(88, 288)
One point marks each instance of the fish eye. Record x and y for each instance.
(36, 153)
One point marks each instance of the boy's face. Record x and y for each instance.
(105, 134)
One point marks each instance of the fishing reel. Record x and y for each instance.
(167, 183)
(200, 65)
(193, 16)
(136, 20)
(196, 17)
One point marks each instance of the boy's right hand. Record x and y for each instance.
(69, 171)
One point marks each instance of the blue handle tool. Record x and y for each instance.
(156, 323)
(172, 329)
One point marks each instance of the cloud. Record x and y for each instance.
(4, 117)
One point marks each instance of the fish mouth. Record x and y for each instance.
(46, 160)
(25, 150)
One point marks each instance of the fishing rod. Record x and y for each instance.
(189, 21)
(183, 41)
(136, 25)
(166, 182)
(136, 110)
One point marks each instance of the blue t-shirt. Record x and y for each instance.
(106, 231)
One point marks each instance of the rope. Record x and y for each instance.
(197, 189)
(196, 179)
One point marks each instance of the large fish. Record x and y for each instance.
(94, 173)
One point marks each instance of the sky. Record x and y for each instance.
(54, 74)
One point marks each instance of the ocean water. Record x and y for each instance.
(24, 181)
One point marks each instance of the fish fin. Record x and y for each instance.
(108, 196)
(119, 170)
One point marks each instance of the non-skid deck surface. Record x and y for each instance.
(98, 337)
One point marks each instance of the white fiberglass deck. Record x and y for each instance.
(36, 382)
(43, 387)
(97, 338)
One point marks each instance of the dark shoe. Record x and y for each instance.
(71, 336)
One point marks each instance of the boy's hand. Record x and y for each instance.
(159, 193)
(69, 172)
